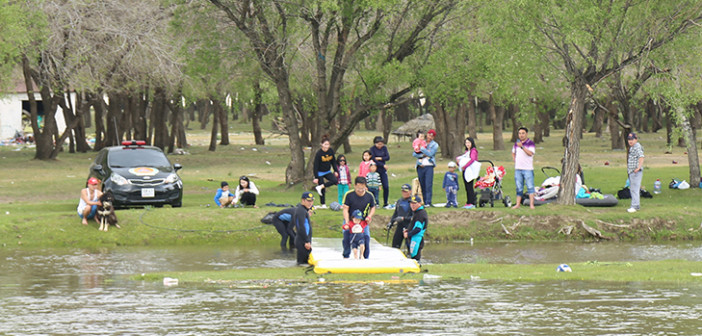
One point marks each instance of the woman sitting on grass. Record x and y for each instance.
(246, 192)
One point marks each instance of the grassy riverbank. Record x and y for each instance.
(670, 271)
(38, 199)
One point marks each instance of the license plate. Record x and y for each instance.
(147, 192)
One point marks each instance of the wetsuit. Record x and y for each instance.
(282, 220)
(401, 217)
(303, 228)
(364, 204)
(415, 233)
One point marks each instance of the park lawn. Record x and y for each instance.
(667, 271)
(38, 199)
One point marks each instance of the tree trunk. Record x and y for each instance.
(598, 121)
(691, 144)
(223, 121)
(215, 124)
(513, 111)
(574, 129)
(615, 137)
(111, 124)
(472, 118)
(496, 114)
(257, 112)
(158, 118)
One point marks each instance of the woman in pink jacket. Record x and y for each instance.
(472, 153)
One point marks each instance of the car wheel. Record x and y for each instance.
(177, 205)
(508, 201)
(158, 205)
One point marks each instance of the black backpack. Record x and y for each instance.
(268, 218)
(625, 193)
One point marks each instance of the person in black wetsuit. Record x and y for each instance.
(414, 233)
(282, 220)
(402, 215)
(303, 228)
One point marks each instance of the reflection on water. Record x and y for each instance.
(69, 292)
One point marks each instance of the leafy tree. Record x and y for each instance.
(586, 42)
(330, 37)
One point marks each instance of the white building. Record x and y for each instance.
(16, 103)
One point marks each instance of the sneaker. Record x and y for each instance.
(631, 210)
(322, 206)
(319, 189)
(389, 207)
(468, 206)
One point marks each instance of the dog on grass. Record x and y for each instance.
(106, 212)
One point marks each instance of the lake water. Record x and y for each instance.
(80, 292)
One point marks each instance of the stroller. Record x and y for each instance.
(491, 186)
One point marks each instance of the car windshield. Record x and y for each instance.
(137, 158)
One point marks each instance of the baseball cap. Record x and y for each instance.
(357, 214)
(308, 196)
(416, 199)
(372, 163)
(432, 132)
(631, 136)
(93, 180)
(224, 184)
(406, 187)
(452, 164)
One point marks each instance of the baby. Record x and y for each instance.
(419, 142)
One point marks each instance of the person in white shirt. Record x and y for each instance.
(246, 192)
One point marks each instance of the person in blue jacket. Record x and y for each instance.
(224, 198)
(414, 233)
(303, 228)
(425, 166)
(380, 155)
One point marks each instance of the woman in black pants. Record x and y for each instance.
(324, 168)
(472, 155)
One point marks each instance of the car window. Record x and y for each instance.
(137, 158)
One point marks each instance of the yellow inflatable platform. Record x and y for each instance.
(326, 258)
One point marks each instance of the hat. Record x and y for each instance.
(406, 187)
(631, 136)
(308, 196)
(372, 163)
(432, 132)
(93, 180)
(357, 214)
(378, 139)
(452, 164)
(224, 184)
(416, 199)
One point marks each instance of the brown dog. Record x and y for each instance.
(106, 212)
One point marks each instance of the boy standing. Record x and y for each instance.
(373, 182)
(450, 185)
(414, 233)
(634, 167)
(356, 231)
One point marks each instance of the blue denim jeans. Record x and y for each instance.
(522, 176)
(346, 243)
(426, 181)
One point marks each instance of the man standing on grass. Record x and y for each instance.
(634, 167)
(425, 164)
(523, 157)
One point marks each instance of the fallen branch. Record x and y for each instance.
(506, 231)
(495, 220)
(611, 224)
(595, 233)
(567, 230)
(517, 223)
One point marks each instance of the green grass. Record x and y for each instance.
(669, 271)
(38, 199)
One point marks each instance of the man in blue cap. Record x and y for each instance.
(414, 233)
(402, 215)
(301, 219)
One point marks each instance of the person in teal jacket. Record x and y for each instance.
(414, 233)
